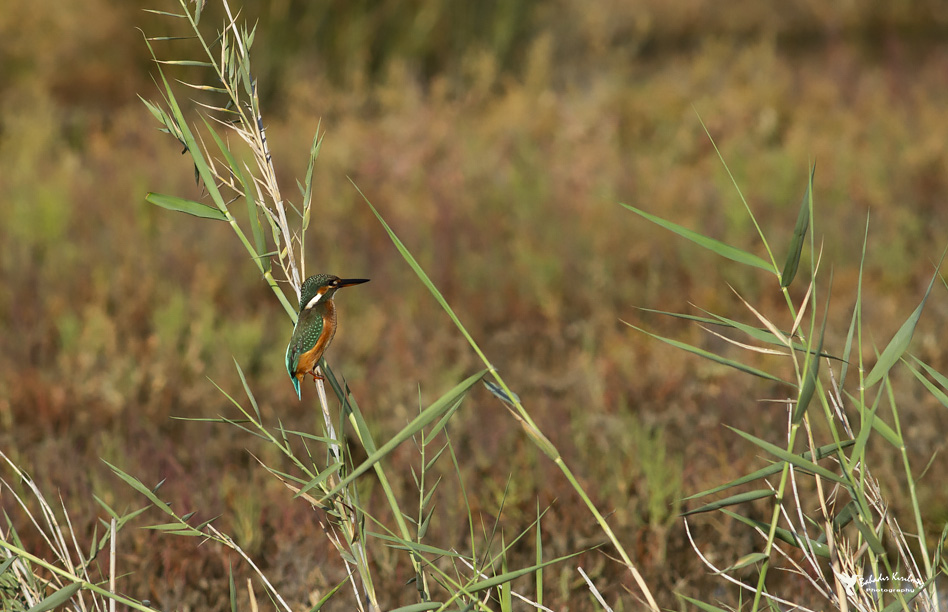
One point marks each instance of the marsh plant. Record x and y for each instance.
(829, 523)
(320, 470)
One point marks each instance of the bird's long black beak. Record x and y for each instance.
(348, 282)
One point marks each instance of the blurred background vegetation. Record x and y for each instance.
(497, 137)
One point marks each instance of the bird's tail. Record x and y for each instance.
(296, 385)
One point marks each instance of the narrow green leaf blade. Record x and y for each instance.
(330, 470)
(900, 342)
(940, 378)
(420, 607)
(178, 526)
(821, 452)
(539, 557)
(749, 559)
(253, 211)
(867, 422)
(201, 168)
(6, 565)
(715, 246)
(253, 400)
(811, 370)
(702, 605)
(426, 416)
(869, 534)
(711, 356)
(733, 500)
(783, 534)
(325, 598)
(57, 599)
(757, 333)
(164, 13)
(422, 275)
(511, 575)
(799, 236)
(141, 488)
(857, 310)
(890, 435)
(232, 587)
(186, 206)
(796, 460)
(416, 547)
(307, 187)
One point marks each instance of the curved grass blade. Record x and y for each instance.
(751, 559)
(253, 401)
(306, 189)
(232, 588)
(857, 310)
(420, 607)
(511, 575)
(940, 378)
(733, 500)
(428, 415)
(799, 235)
(331, 470)
(934, 390)
(164, 13)
(253, 211)
(706, 607)
(715, 246)
(712, 357)
(868, 424)
(6, 565)
(869, 534)
(757, 333)
(890, 435)
(423, 277)
(740, 194)
(782, 534)
(539, 549)
(186, 206)
(141, 488)
(900, 341)
(796, 460)
(416, 547)
(842, 519)
(785, 535)
(821, 453)
(325, 598)
(812, 369)
(518, 411)
(58, 598)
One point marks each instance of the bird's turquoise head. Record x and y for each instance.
(315, 325)
(321, 287)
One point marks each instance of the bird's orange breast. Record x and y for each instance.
(310, 358)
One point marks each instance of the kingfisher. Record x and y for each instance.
(315, 325)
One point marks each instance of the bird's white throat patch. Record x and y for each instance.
(315, 299)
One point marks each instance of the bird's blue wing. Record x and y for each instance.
(308, 328)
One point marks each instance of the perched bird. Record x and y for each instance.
(315, 326)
